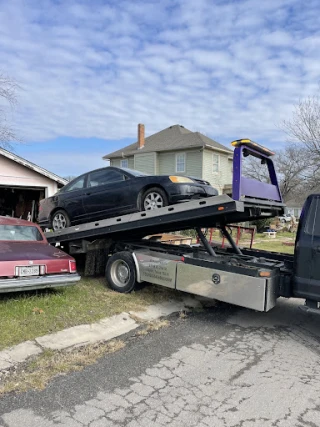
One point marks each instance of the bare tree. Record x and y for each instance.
(304, 125)
(8, 97)
(252, 168)
(296, 171)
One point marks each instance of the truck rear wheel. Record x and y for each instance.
(121, 272)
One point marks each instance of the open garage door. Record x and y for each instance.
(20, 202)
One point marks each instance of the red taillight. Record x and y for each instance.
(72, 266)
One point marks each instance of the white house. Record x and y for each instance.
(23, 184)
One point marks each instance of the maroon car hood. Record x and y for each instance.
(15, 251)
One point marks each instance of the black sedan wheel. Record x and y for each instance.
(60, 220)
(154, 198)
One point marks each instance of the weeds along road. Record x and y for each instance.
(222, 367)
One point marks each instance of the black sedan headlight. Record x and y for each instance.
(180, 179)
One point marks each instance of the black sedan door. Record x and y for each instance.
(108, 193)
(71, 199)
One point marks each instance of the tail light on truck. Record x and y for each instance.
(72, 266)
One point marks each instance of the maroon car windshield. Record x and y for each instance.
(19, 233)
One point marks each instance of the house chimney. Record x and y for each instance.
(140, 136)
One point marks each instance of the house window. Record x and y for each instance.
(215, 162)
(180, 162)
(124, 163)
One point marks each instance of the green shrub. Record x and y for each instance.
(189, 233)
(262, 224)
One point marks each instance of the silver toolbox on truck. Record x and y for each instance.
(178, 272)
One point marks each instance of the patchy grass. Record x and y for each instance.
(274, 246)
(157, 324)
(142, 332)
(28, 315)
(37, 373)
(183, 314)
(153, 326)
(280, 234)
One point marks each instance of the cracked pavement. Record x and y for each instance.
(224, 367)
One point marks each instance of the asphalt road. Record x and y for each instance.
(224, 367)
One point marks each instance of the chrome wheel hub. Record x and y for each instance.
(59, 222)
(120, 273)
(153, 201)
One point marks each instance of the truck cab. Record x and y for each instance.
(306, 277)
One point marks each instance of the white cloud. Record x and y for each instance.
(227, 68)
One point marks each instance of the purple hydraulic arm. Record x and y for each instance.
(244, 188)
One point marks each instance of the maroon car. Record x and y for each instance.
(27, 261)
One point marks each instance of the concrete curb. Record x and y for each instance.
(104, 330)
(76, 336)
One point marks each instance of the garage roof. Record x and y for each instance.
(32, 166)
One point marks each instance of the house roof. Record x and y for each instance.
(173, 138)
(32, 166)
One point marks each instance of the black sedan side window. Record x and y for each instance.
(76, 185)
(102, 177)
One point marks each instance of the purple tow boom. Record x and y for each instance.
(245, 188)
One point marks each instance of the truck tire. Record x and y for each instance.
(121, 272)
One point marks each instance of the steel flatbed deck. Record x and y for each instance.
(197, 213)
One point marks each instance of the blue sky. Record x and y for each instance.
(90, 71)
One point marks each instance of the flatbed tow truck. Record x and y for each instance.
(245, 277)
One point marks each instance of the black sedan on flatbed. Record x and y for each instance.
(113, 191)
